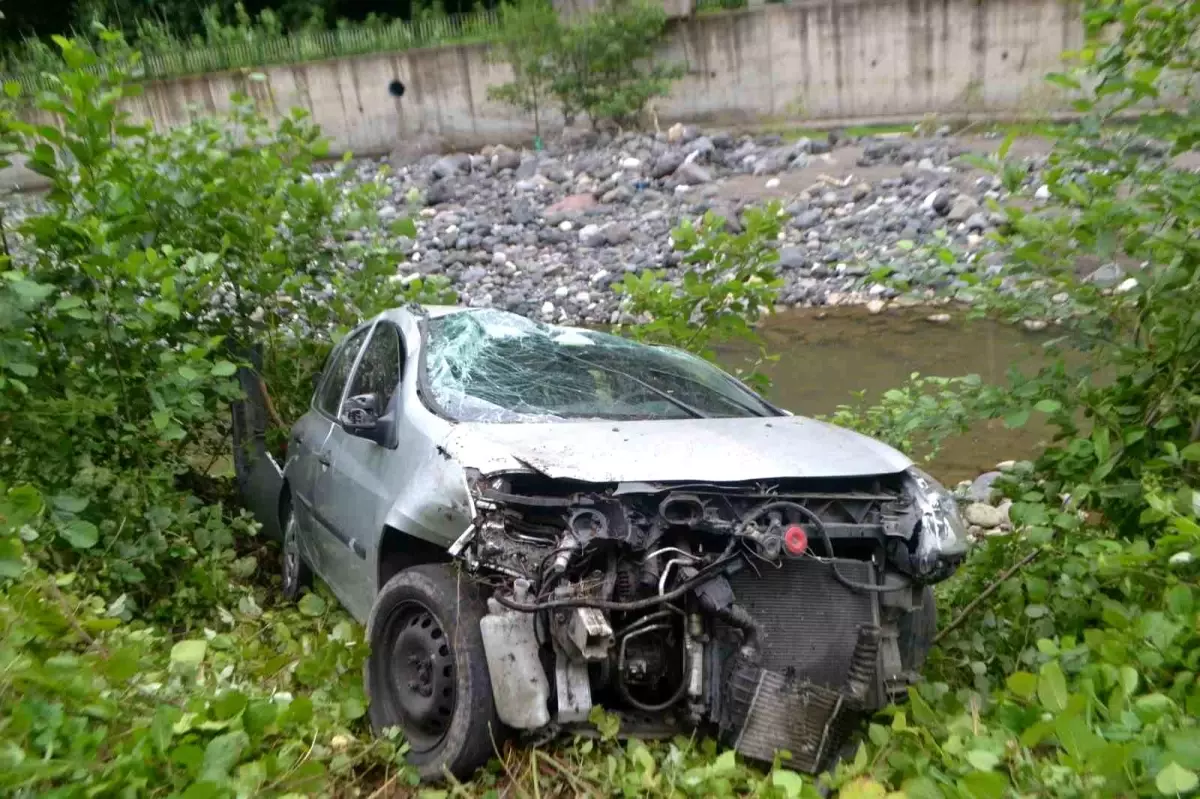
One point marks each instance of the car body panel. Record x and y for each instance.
(708, 450)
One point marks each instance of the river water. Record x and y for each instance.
(826, 355)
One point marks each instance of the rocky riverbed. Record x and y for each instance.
(546, 234)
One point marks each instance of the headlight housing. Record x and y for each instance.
(942, 540)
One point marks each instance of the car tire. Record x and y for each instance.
(296, 574)
(427, 673)
(916, 632)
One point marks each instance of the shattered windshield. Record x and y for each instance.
(493, 366)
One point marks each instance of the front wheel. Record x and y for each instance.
(427, 673)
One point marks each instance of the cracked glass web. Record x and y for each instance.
(492, 366)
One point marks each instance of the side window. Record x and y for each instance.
(330, 394)
(379, 370)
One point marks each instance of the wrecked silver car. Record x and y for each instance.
(533, 521)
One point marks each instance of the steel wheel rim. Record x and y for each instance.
(419, 674)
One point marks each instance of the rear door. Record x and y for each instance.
(309, 467)
(357, 493)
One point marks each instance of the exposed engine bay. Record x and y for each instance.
(772, 612)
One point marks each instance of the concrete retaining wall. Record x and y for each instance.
(809, 60)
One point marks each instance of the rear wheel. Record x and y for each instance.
(296, 574)
(427, 672)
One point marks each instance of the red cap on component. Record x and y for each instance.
(795, 540)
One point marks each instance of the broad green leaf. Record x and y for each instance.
(1191, 452)
(984, 785)
(982, 759)
(69, 504)
(12, 553)
(1052, 687)
(1022, 683)
(222, 754)
(80, 534)
(791, 783)
(223, 369)
(189, 652)
(1048, 406)
(167, 308)
(1175, 780)
(311, 605)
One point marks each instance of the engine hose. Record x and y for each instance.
(601, 604)
(816, 522)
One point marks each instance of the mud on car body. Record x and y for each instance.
(535, 520)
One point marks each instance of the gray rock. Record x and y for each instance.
(505, 158)
(616, 233)
(819, 147)
(457, 164)
(666, 164)
(793, 258)
(977, 221)
(807, 219)
(964, 205)
(1106, 275)
(473, 274)
(984, 515)
(552, 170)
(618, 195)
(693, 174)
(527, 169)
(981, 488)
(703, 147)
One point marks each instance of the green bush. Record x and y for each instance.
(602, 65)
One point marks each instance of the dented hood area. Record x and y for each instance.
(707, 450)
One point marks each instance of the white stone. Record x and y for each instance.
(596, 278)
(1060, 297)
(1004, 466)
(499, 258)
(682, 188)
(984, 515)
(565, 225)
(940, 319)
(562, 291)
(630, 163)
(451, 230)
(588, 233)
(876, 306)
(583, 298)
(1042, 193)
(1128, 284)
(1034, 325)
(547, 308)
(773, 183)
(876, 289)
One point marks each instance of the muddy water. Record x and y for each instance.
(826, 356)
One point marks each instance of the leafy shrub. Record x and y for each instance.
(141, 650)
(731, 283)
(602, 65)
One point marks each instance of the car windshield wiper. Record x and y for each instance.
(724, 397)
(695, 413)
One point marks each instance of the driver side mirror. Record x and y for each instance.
(361, 417)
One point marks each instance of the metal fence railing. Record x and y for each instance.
(258, 50)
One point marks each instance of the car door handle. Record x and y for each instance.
(297, 440)
(324, 458)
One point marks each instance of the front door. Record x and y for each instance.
(308, 472)
(356, 495)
